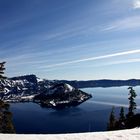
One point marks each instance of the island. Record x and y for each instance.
(61, 96)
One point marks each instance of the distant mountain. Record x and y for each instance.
(103, 83)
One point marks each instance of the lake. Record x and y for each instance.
(90, 116)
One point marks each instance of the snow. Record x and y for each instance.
(53, 103)
(28, 97)
(69, 88)
(131, 134)
(39, 79)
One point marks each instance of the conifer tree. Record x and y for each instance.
(112, 120)
(2, 68)
(132, 104)
(6, 125)
(122, 115)
(122, 120)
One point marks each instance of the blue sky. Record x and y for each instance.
(71, 39)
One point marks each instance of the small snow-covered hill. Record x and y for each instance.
(131, 134)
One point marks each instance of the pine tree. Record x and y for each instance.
(6, 125)
(2, 68)
(112, 120)
(122, 115)
(1, 74)
(132, 104)
(122, 120)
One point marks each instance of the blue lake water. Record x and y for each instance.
(92, 115)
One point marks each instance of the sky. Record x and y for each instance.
(71, 39)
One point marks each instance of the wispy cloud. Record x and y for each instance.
(132, 22)
(91, 66)
(69, 32)
(123, 62)
(94, 58)
(136, 4)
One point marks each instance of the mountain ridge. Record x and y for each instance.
(86, 83)
(102, 83)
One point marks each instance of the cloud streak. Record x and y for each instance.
(132, 22)
(91, 66)
(123, 62)
(94, 58)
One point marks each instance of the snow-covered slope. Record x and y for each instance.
(60, 88)
(131, 134)
(17, 87)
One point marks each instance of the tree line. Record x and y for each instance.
(125, 121)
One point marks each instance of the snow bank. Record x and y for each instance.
(131, 134)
